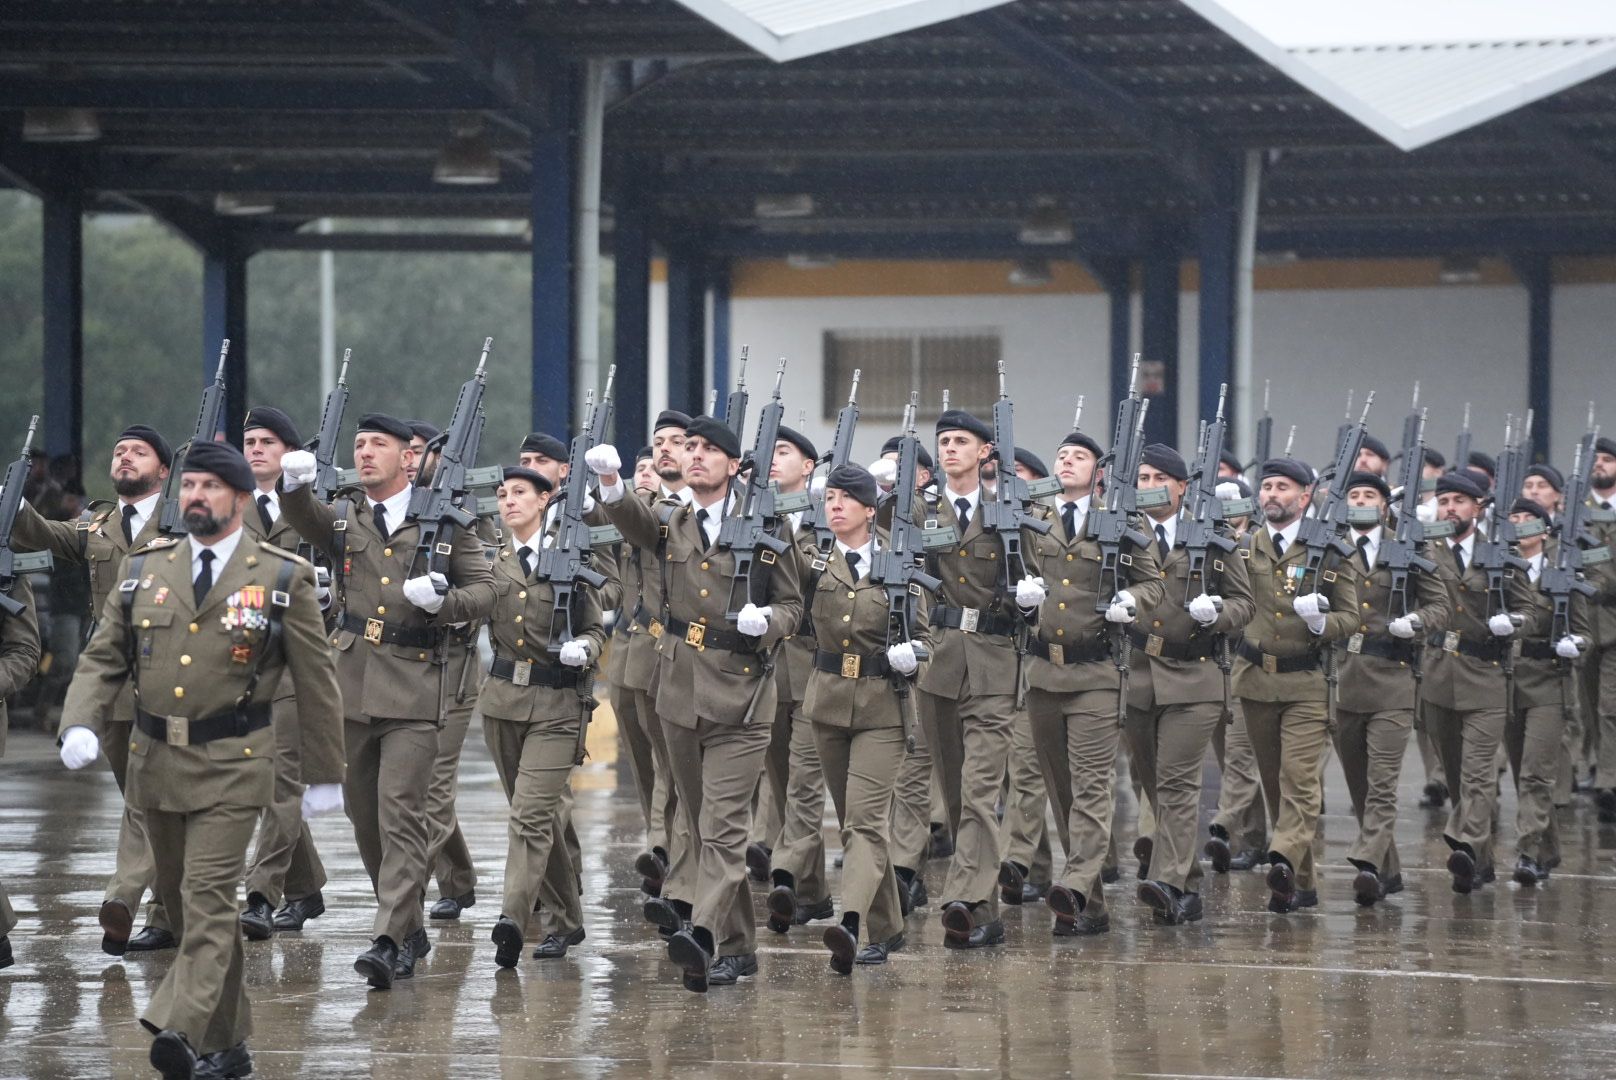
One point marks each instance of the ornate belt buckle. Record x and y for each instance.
(851, 664)
(1270, 663)
(696, 634)
(373, 631)
(655, 628)
(522, 672)
(179, 731)
(1450, 641)
(1057, 654)
(1153, 645)
(1355, 644)
(969, 617)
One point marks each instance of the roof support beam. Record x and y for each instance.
(241, 94)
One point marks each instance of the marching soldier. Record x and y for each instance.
(1373, 457)
(1599, 660)
(19, 659)
(286, 874)
(202, 630)
(390, 632)
(141, 460)
(708, 690)
(1379, 683)
(1177, 695)
(1279, 674)
(535, 713)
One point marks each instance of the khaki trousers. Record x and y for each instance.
(1372, 746)
(1290, 741)
(199, 859)
(1240, 812)
(384, 794)
(535, 763)
(1167, 747)
(910, 840)
(769, 805)
(285, 864)
(1024, 832)
(1599, 688)
(1469, 744)
(1534, 737)
(970, 743)
(860, 769)
(446, 851)
(716, 768)
(800, 849)
(642, 761)
(132, 871)
(679, 884)
(1076, 736)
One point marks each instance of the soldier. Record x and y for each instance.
(1544, 485)
(390, 634)
(141, 459)
(1230, 467)
(203, 630)
(1466, 686)
(708, 687)
(1279, 674)
(1178, 693)
(1373, 457)
(535, 711)
(1378, 687)
(19, 660)
(285, 866)
(857, 720)
(1599, 659)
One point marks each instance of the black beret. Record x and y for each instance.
(1164, 457)
(670, 418)
(1239, 482)
(538, 480)
(645, 452)
(1079, 438)
(714, 433)
(275, 421)
(1605, 445)
(1549, 473)
(223, 461)
(1435, 458)
(1369, 479)
(1480, 479)
(1375, 446)
(1289, 468)
(1227, 458)
(855, 480)
(1460, 483)
(548, 445)
(149, 436)
(387, 425)
(1033, 462)
(1484, 462)
(960, 420)
(421, 429)
(1527, 506)
(799, 440)
(922, 458)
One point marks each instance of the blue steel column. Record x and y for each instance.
(63, 354)
(224, 315)
(1159, 293)
(718, 279)
(552, 212)
(1115, 277)
(1537, 274)
(687, 381)
(631, 319)
(1218, 236)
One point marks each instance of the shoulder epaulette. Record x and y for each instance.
(289, 556)
(156, 543)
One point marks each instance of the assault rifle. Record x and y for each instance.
(1323, 528)
(1563, 578)
(1203, 510)
(569, 560)
(12, 564)
(1005, 514)
(439, 507)
(324, 443)
(209, 422)
(841, 451)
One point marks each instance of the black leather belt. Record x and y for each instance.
(1280, 665)
(703, 636)
(178, 731)
(379, 633)
(1538, 650)
(1491, 651)
(1081, 653)
(972, 620)
(852, 665)
(532, 673)
(1386, 647)
(1156, 645)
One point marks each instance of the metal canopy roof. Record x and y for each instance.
(1131, 114)
(792, 29)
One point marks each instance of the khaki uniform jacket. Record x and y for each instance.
(1540, 681)
(1276, 629)
(19, 649)
(692, 682)
(284, 537)
(1602, 607)
(189, 665)
(1163, 680)
(1071, 571)
(971, 573)
(1467, 683)
(393, 681)
(796, 660)
(640, 656)
(519, 630)
(852, 619)
(1371, 684)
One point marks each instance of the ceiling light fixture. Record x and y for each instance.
(1046, 224)
(60, 125)
(783, 206)
(467, 158)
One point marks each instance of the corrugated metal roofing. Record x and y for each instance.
(791, 29)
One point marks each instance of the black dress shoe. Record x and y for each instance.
(1529, 873)
(695, 961)
(258, 921)
(416, 946)
(507, 938)
(917, 893)
(234, 1062)
(665, 915)
(1436, 793)
(759, 863)
(1217, 851)
(555, 946)
(450, 907)
(1110, 875)
(652, 870)
(1487, 875)
(6, 959)
(839, 860)
(731, 969)
(1463, 869)
(1393, 884)
(877, 951)
(376, 963)
(843, 946)
(1249, 859)
(116, 923)
(1606, 802)
(958, 922)
(152, 939)
(1367, 889)
(782, 905)
(1012, 877)
(1031, 894)
(942, 844)
(1142, 847)
(294, 913)
(1307, 898)
(172, 1055)
(1168, 905)
(807, 913)
(1072, 918)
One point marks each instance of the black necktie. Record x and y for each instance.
(129, 524)
(263, 513)
(962, 509)
(852, 565)
(378, 518)
(1279, 546)
(1161, 542)
(1069, 519)
(1458, 558)
(525, 555)
(1363, 553)
(204, 580)
(701, 520)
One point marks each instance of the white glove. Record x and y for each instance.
(575, 653)
(603, 460)
(79, 747)
(1030, 592)
(298, 467)
(321, 799)
(1310, 608)
(816, 489)
(1426, 512)
(902, 658)
(1204, 609)
(1568, 647)
(1402, 628)
(885, 471)
(422, 592)
(1122, 609)
(1501, 624)
(753, 621)
(589, 503)
(1227, 491)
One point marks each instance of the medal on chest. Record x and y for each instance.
(245, 619)
(1293, 578)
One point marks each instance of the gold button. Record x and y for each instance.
(702, 620)
(746, 671)
(993, 554)
(421, 656)
(704, 592)
(1060, 633)
(519, 643)
(704, 566)
(522, 595)
(195, 628)
(133, 746)
(381, 609)
(145, 624)
(962, 581)
(846, 642)
(1062, 605)
(185, 661)
(1366, 607)
(1068, 558)
(247, 750)
(179, 691)
(852, 596)
(1066, 581)
(1279, 614)
(519, 618)
(847, 618)
(387, 581)
(962, 553)
(387, 551)
(1156, 623)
